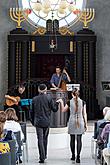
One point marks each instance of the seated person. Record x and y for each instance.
(11, 122)
(58, 77)
(4, 146)
(99, 122)
(106, 152)
(102, 128)
(105, 132)
(13, 97)
(107, 120)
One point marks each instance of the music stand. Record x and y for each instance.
(106, 85)
(70, 87)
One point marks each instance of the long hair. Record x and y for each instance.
(2, 121)
(75, 93)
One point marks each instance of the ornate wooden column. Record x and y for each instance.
(11, 63)
(18, 57)
(87, 69)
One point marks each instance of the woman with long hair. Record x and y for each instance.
(12, 122)
(77, 124)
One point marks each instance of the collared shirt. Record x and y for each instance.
(55, 79)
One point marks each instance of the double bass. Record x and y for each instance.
(62, 83)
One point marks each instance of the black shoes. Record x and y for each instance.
(41, 161)
(19, 161)
(73, 157)
(78, 159)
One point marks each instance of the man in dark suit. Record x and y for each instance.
(42, 105)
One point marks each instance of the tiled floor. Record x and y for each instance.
(59, 156)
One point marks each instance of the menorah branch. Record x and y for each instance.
(18, 16)
(86, 16)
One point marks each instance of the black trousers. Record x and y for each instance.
(79, 144)
(42, 135)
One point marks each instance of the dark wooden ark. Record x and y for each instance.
(31, 60)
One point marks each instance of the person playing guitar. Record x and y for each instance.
(12, 98)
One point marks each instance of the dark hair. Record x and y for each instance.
(2, 116)
(2, 121)
(21, 86)
(58, 67)
(75, 91)
(11, 114)
(42, 87)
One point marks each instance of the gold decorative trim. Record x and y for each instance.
(86, 16)
(17, 52)
(29, 61)
(40, 31)
(18, 15)
(33, 46)
(65, 31)
(71, 46)
(19, 58)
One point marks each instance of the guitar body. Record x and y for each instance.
(10, 101)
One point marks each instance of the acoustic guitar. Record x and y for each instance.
(11, 100)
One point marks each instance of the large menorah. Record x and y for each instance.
(86, 16)
(18, 15)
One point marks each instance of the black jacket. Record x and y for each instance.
(42, 105)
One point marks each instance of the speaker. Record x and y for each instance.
(106, 85)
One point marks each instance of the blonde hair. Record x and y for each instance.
(2, 121)
(11, 114)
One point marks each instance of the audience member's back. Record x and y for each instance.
(101, 123)
(107, 121)
(4, 146)
(11, 122)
